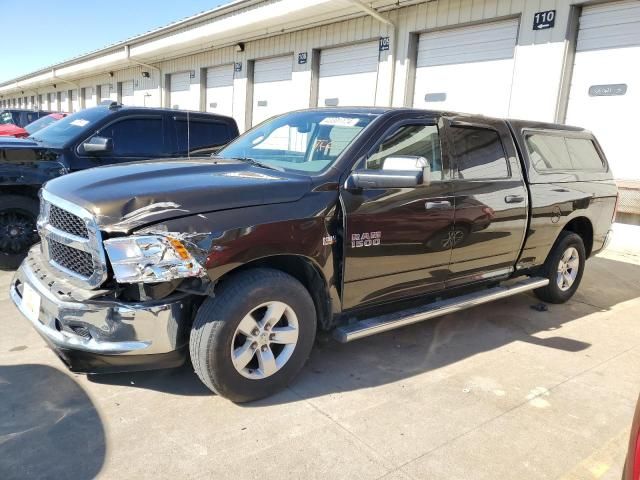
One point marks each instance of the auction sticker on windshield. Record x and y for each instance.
(340, 121)
(30, 302)
(80, 122)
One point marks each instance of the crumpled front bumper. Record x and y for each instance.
(97, 335)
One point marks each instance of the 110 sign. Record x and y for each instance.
(543, 20)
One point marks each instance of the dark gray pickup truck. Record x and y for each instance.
(351, 220)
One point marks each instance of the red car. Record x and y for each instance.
(11, 130)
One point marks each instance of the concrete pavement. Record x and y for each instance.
(502, 391)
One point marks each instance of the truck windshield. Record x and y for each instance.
(59, 133)
(300, 141)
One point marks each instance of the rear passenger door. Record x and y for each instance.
(197, 135)
(490, 199)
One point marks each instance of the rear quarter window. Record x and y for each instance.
(549, 153)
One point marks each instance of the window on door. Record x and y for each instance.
(136, 137)
(479, 154)
(410, 140)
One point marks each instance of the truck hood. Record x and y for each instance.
(127, 196)
(17, 143)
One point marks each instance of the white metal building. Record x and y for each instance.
(550, 60)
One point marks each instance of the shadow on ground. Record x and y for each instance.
(49, 427)
(430, 345)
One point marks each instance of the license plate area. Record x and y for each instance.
(30, 302)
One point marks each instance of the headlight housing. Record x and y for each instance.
(150, 259)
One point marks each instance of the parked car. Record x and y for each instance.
(93, 137)
(11, 130)
(302, 224)
(20, 118)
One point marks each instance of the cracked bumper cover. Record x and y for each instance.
(97, 335)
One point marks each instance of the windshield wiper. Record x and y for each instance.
(252, 161)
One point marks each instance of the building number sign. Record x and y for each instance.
(544, 20)
(384, 44)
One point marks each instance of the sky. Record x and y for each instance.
(44, 32)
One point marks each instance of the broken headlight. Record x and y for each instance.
(150, 259)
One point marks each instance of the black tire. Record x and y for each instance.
(18, 232)
(217, 319)
(553, 293)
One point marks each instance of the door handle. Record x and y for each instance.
(437, 205)
(514, 199)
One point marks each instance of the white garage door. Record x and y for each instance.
(272, 88)
(181, 91)
(348, 75)
(53, 102)
(605, 87)
(64, 105)
(219, 94)
(127, 97)
(467, 69)
(74, 101)
(105, 92)
(89, 99)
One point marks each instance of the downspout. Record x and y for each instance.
(127, 52)
(382, 19)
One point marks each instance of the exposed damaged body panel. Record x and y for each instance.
(126, 197)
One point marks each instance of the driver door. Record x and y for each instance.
(139, 137)
(397, 240)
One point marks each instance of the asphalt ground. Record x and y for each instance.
(503, 391)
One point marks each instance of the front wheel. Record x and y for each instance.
(254, 336)
(18, 231)
(563, 268)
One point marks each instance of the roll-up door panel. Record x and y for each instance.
(467, 69)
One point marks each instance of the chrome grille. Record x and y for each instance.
(71, 241)
(70, 258)
(67, 222)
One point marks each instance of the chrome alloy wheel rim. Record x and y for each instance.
(264, 340)
(568, 269)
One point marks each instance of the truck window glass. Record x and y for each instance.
(136, 137)
(548, 152)
(300, 141)
(201, 134)
(584, 155)
(555, 152)
(479, 154)
(410, 140)
(71, 127)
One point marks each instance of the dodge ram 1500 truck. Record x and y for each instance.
(354, 220)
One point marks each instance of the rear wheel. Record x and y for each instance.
(18, 230)
(563, 268)
(254, 336)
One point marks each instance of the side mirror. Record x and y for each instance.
(98, 144)
(384, 179)
(409, 163)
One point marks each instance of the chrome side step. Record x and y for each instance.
(390, 321)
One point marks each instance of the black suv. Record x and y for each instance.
(21, 118)
(97, 136)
